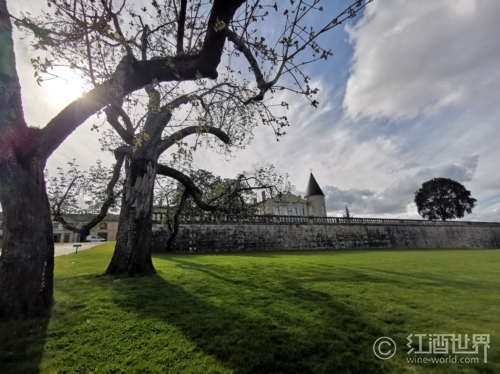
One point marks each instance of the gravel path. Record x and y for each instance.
(64, 249)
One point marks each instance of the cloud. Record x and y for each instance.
(418, 57)
(406, 166)
(490, 215)
(471, 162)
(415, 90)
(397, 199)
(337, 199)
(462, 172)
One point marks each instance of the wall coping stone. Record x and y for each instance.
(294, 220)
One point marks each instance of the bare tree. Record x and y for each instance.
(224, 195)
(347, 213)
(88, 194)
(27, 262)
(120, 48)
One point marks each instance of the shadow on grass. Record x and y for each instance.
(431, 279)
(299, 331)
(328, 274)
(21, 344)
(274, 253)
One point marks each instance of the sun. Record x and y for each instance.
(63, 87)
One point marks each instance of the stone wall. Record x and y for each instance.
(252, 236)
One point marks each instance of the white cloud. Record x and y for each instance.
(397, 199)
(414, 57)
(411, 58)
(406, 166)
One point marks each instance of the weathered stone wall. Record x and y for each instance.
(225, 237)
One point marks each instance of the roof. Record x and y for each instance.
(288, 198)
(313, 187)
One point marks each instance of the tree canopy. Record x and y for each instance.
(199, 68)
(443, 198)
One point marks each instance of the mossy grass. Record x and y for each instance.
(261, 312)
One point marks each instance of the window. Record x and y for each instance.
(55, 225)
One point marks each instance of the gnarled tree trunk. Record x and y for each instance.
(27, 263)
(132, 255)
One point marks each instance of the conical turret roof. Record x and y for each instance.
(313, 187)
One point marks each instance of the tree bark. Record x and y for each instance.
(175, 230)
(27, 262)
(132, 255)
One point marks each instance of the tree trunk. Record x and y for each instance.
(132, 254)
(27, 261)
(175, 230)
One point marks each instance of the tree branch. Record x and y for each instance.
(188, 184)
(60, 202)
(181, 134)
(180, 29)
(178, 212)
(116, 22)
(111, 197)
(167, 171)
(124, 149)
(112, 118)
(125, 118)
(241, 46)
(144, 42)
(132, 75)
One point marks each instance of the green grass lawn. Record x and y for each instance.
(274, 312)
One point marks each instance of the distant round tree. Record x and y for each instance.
(443, 198)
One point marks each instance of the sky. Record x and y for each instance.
(410, 93)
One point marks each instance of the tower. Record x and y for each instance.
(315, 198)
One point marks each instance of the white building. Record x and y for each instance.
(313, 203)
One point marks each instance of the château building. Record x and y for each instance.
(312, 204)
